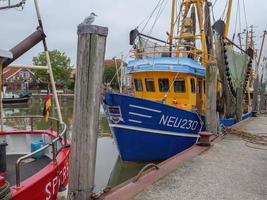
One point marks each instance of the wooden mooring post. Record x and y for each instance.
(211, 82)
(90, 58)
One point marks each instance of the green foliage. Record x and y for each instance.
(109, 73)
(60, 64)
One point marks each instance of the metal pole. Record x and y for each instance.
(54, 91)
(90, 58)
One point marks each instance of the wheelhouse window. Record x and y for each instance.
(150, 86)
(179, 85)
(164, 85)
(138, 85)
(193, 85)
(200, 87)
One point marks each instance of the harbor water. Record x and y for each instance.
(110, 170)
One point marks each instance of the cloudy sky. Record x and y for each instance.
(61, 17)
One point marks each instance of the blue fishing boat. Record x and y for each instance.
(166, 111)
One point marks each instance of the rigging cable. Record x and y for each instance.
(236, 19)
(161, 9)
(245, 13)
(224, 11)
(150, 16)
(212, 8)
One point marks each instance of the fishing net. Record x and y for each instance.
(150, 49)
(237, 65)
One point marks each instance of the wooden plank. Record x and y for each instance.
(211, 83)
(90, 59)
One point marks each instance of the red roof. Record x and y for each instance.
(10, 71)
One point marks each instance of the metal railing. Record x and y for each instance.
(157, 50)
(62, 137)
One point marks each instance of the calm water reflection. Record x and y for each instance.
(110, 170)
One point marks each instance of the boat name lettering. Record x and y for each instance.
(177, 122)
(52, 186)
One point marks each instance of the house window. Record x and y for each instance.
(26, 74)
(21, 74)
(193, 85)
(179, 85)
(138, 85)
(150, 86)
(164, 85)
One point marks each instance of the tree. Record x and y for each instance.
(109, 73)
(60, 64)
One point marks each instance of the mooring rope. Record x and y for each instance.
(255, 139)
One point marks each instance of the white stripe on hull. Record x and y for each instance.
(145, 108)
(153, 131)
(135, 121)
(140, 115)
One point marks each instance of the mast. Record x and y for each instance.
(255, 106)
(262, 44)
(202, 33)
(187, 32)
(172, 26)
(228, 17)
(54, 91)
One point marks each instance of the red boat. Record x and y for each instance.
(38, 174)
(33, 163)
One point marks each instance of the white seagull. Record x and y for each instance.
(89, 20)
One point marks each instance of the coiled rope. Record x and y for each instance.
(256, 141)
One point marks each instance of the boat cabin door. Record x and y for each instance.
(199, 98)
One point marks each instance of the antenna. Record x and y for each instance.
(7, 4)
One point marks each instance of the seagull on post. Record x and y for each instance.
(89, 20)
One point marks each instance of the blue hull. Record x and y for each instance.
(146, 130)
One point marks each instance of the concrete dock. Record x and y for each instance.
(231, 169)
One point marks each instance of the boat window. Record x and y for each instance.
(179, 85)
(200, 87)
(164, 85)
(150, 86)
(193, 85)
(138, 85)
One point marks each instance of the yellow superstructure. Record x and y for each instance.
(190, 37)
(181, 90)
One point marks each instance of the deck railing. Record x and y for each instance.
(61, 137)
(167, 51)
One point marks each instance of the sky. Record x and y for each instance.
(61, 18)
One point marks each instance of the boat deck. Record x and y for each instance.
(27, 170)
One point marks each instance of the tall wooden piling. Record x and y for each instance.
(90, 58)
(211, 82)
